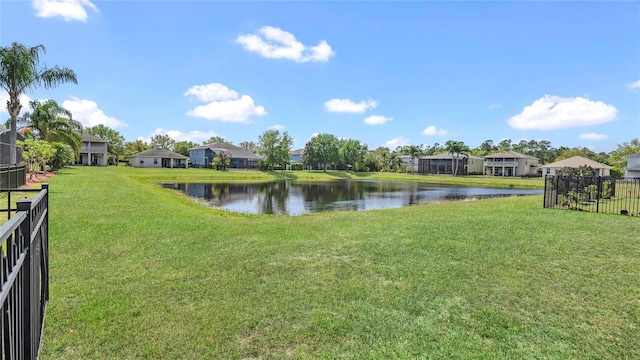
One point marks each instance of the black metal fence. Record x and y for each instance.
(13, 176)
(600, 194)
(24, 270)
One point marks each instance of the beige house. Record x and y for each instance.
(633, 166)
(93, 151)
(158, 158)
(510, 163)
(575, 162)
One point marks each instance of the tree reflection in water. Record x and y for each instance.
(294, 198)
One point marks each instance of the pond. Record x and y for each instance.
(295, 198)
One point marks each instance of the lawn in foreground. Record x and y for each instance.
(140, 272)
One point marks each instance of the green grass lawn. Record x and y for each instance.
(138, 271)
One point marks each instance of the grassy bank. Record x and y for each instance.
(139, 272)
(198, 175)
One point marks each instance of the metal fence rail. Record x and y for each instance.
(600, 194)
(13, 176)
(24, 270)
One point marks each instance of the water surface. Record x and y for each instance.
(295, 198)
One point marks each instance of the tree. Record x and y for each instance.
(63, 154)
(274, 147)
(162, 142)
(413, 152)
(456, 148)
(182, 147)
(309, 156)
(20, 71)
(325, 149)
(352, 153)
(214, 139)
(53, 123)
(36, 154)
(504, 145)
(115, 141)
(134, 147)
(582, 170)
(221, 161)
(249, 145)
(618, 158)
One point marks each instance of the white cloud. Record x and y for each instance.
(277, 127)
(177, 135)
(376, 120)
(592, 136)
(555, 112)
(69, 10)
(495, 106)
(4, 97)
(433, 131)
(395, 142)
(275, 43)
(634, 85)
(223, 104)
(348, 106)
(88, 113)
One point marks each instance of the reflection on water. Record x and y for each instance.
(295, 198)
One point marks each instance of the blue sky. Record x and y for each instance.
(385, 73)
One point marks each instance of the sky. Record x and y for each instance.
(384, 73)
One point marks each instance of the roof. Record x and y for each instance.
(636, 155)
(236, 151)
(634, 168)
(161, 153)
(510, 154)
(92, 138)
(577, 161)
(449, 156)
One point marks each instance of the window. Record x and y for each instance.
(155, 161)
(141, 162)
(548, 171)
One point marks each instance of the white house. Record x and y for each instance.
(510, 163)
(633, 166)
(575, 162)
(93, 151)
(157, 158)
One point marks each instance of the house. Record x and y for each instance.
(201, 156)
(576, 162)
(445, 164)
(633, 166)
(5, 147)
(157, 158)
(93, 151)
(510, 163)
(296, 155)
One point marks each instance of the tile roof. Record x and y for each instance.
(575, 162)
(158, 152)
(509, 154)
(92, 138)
(236, 151)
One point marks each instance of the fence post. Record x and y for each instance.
(27, 284)
(598, 194)
(45, 247)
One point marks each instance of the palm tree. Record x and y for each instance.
(456, 148)
(20, 71)
(413, 151)
(53, 123)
